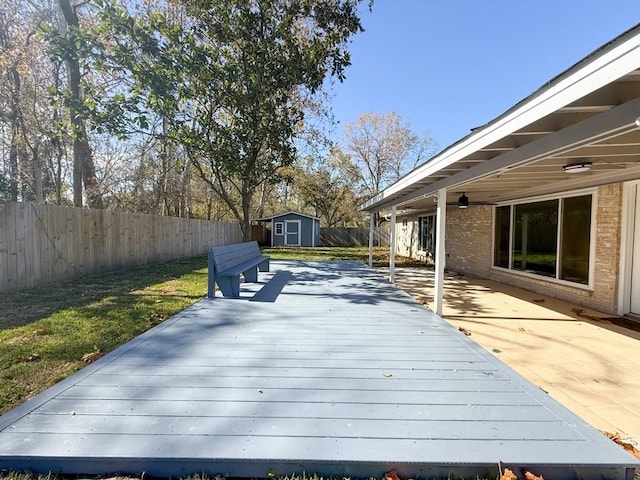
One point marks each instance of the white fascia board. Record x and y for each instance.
(615, 121)
(612, 63)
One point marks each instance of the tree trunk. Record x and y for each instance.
(58, 146)
(263, 199)
(245, 221)
(83, 167)
(13, 168)
(37, 176)
(185, 190)
(13, 78)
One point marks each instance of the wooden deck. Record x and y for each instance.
(325, 367)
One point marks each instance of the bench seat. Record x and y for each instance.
(228, 262)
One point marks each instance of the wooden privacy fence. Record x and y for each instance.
(42, 244)
(353, 237)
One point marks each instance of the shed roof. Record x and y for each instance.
(589, 113)
(290, 212)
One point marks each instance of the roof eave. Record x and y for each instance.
(606, 64)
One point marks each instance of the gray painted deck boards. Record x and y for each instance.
(321, 367)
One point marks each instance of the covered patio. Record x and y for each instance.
(321, 367)
(570, 153)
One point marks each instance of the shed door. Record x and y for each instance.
(292, 233)
(635, 258)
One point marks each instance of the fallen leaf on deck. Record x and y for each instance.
(522, 329)
(392, 475)
(465, 331)
(627, 446)
(508, 475)
(538, 300)
(92, 356)
(496, 350)
(530, 476)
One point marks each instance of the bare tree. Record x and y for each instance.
(383, 148)
(25, 114)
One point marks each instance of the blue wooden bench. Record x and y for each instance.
(226, 263)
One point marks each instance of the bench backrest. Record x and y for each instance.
(228, 256)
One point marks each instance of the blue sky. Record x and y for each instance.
(447, 66)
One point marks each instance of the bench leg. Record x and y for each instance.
(229, 286)
(251, 275)
(264, 266)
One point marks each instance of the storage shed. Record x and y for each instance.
(294, 229)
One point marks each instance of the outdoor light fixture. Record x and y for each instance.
(463, 201)
(577, 167)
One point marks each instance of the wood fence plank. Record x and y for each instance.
(353, 237)
(5, 257)
(40, 244)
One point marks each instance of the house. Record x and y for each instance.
(545, 196)
(294, 229)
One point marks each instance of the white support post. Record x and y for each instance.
(441, 226)
(392, 246)
(371, 232)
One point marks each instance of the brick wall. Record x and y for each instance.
(469, 243)
(607, 257)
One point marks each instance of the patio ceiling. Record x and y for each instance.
(589, 113)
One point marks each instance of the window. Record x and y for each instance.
(279, 228)
(576, 239)
(427, 233)
(535, 238)
(501, 240)
(550, 238)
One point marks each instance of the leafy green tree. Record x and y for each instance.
(230, 79)
(326, 189)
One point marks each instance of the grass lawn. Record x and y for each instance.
(380, 254)
(46, 331)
